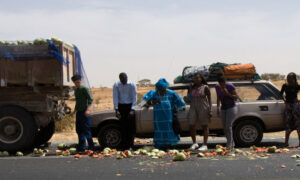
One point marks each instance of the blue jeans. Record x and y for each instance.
(228, 116)
(83, 131)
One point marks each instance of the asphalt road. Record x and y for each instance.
(143, 167)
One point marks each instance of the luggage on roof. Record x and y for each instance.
(212, 72)
(239, 71)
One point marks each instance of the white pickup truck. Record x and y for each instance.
(260, 109)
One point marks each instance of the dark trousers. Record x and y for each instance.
(127, 125)
(83, 131)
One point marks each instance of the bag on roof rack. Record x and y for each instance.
(240, 71)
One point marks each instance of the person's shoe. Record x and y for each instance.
(203, 148)
(194, 146)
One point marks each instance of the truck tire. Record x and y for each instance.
(248, 133)
(44, 134)
(17, 128)
(110, 135)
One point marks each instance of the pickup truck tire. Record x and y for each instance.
(248, 133)
(17, 129)
(44, 134)
(110, 135)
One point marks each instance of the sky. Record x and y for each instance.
(157, 38)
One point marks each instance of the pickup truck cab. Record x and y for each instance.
(260, 109)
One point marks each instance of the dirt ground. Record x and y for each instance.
(103, 100)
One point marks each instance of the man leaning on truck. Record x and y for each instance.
(83, 118)
(125, 97)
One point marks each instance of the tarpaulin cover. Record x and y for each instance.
(43, 50)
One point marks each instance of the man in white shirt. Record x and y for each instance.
(125, 97)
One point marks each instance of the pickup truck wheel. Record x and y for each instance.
(248, 133)
(44, 134)
(110, 136)
(17, 129)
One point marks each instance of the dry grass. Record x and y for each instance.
(66, 124)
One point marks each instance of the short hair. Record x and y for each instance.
(221, 79)
(122, 74)
(76, 77)
(294, 76)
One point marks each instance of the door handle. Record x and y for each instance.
(264, 108)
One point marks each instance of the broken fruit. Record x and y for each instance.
(66, 153)
(254, 148)
(107, 150)
(238, 151)
(77, 156)
(5, 154)
(295, 156)
(59, 152)
(272, 149)
(61, 146)
(73, 151)
(155, 150)
(200, 155)
(179, 157)
(148, 148)
(19, 153)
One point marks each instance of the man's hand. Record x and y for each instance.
(117, 112)
(132, 112)
(209, 114)
(87, 112)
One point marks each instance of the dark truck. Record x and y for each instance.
(35, 82)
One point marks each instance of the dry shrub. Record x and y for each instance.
(66, 124)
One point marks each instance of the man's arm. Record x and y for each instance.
(115, 96)
(90, 101)
(218, 103)
(134, 96)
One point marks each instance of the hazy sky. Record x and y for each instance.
(157, 38)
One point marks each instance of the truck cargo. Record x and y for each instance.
(35, 82)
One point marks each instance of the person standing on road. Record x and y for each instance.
(164, 102)
(125, 97)
(83, 118)
(200, 110)
(226, 95)
(292, 118)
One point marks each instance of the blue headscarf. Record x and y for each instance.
(162, 84)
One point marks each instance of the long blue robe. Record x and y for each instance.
(163, 117)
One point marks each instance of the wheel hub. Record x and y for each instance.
(113, 137)
(248, 133)
(11, 130)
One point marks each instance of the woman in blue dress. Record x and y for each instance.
(165, 102)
